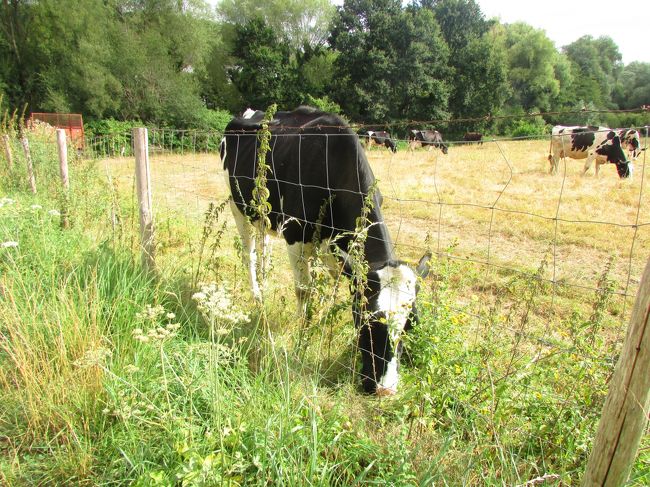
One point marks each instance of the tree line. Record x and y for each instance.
(181, 63)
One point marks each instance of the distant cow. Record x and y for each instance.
(630, 142)
(592, 143)
(427, 138)
(379, 137)
(473, 137)
(318, 188)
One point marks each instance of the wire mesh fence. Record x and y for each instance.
(532, 284)
(492, 210)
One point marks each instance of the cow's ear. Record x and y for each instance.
(611, 134)
(422, 270)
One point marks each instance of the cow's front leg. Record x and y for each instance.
(299, 254)
(249, 252)
(588, 162)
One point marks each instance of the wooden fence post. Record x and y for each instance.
(63, 169)
(7, 148)
(143, 185)
(30, 166)
(625, 412)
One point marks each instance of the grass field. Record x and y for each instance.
(109, 375)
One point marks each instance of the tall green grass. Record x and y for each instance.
(111, 375)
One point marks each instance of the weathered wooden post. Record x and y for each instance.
(143, 185)
(28, 158)
(6, 143)
(625, 412)
(62, 144)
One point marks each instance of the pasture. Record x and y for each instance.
(111, 375)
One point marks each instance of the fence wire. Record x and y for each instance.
(490, 212)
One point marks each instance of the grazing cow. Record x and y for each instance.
(630, 141)
(380, 137)
(473, 137)
(427, 138)
(593, 143)
(318, 184)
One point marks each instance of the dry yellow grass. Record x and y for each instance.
(493, 205)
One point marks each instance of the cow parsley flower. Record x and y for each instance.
(9, 244)
(54, 213)
(6, 202)
(94, 357)
(154, 331)
(36, 207)
(214, 302)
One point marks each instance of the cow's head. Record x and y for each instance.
(611, 148)
(630, 141)
(386, 312)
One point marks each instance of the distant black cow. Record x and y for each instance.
(377, 137)
(319, 184)
(427, 138)
(473, 137)
(599, 144)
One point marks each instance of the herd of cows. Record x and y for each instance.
(319, 184)
(600, 144)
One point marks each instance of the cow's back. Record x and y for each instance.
(575, 142)
(318, 181)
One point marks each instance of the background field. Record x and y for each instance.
(113, 376)
(493, 206)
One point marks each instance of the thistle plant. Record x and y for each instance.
(260, 204)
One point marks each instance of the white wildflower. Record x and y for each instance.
(54, 213)
(36, 207)
(9, 244)
(93, 357)
(215, 302)
(170, 316)
(130, 369)
(6, 202)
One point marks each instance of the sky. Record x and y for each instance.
(567, 20)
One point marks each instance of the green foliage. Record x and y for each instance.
(167, 63)
(532, 58)
(381, 46)
(633, 89)
(324, 104)
(597, 63)
(529, 127)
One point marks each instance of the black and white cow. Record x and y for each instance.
(427, 138)
(318, 180)
(630, 141)
(599, 144)
(379, 137)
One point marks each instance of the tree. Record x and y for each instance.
(477, 58)
(391, 64)
(300, 22)
(597, 65)
(633, 90)
(263, 71)
(532, 59)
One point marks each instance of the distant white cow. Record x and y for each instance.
(599, 144)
